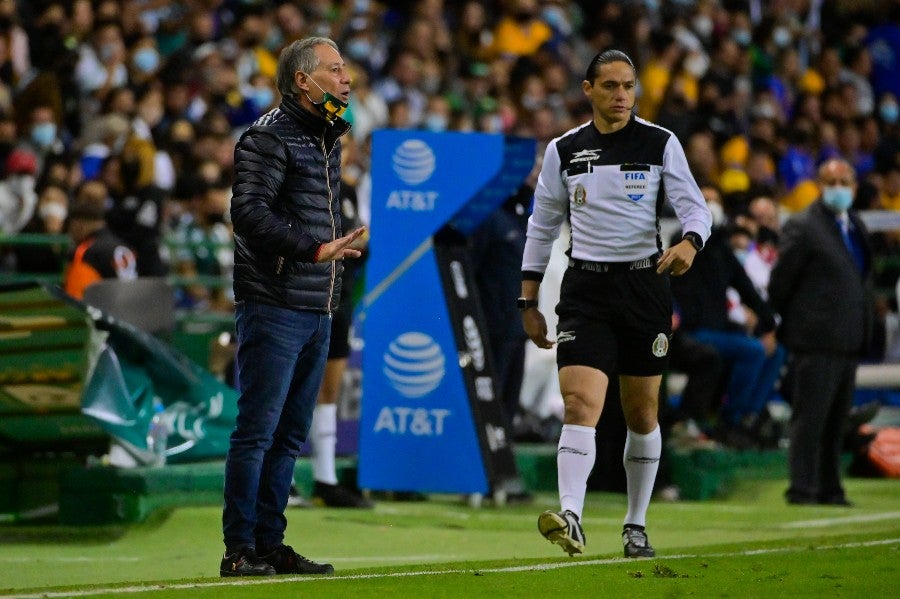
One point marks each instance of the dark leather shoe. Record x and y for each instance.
(797, 499)
(244, 562)
(287, 561)
(838, 500)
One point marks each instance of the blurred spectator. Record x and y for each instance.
(50, 218)
(437, 114)
(657, 74)
(99, 253)
(857, 72)
(43, 138)
(101, 64)
(472, 38)
(402, 82)
(368, 110)
(520, 31)
(202, 239)
(144, 61)
(15, 59)
(250, 31)
(134, 212)
(883, 41)
(754, 360)
(701, 397)
(103, 137)
(17, 195)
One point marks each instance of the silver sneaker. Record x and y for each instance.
(564, 529)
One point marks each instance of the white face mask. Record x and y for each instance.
(696, 64)
(782, 36)
(703, 25)
(718, 213)
(52, 210)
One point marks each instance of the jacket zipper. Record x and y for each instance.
(279, 264)
(327, 155)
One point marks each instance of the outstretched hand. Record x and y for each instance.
(342, 247)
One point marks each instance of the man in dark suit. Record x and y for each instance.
(822, 288)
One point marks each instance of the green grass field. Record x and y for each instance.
(749, 545)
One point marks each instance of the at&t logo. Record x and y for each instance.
(414, 364)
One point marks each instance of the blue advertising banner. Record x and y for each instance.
(420, 426)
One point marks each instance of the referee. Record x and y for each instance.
(609, 179)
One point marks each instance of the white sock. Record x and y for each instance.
(323, 439)
(575, 456)
(641, 461)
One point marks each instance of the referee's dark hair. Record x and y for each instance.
(606, 57)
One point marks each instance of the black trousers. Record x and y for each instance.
(822, 388)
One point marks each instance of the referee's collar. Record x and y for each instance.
(623, 131)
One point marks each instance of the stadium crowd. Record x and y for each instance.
(133, 107)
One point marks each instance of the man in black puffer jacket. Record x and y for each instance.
(288, 246)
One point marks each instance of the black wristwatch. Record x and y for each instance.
(695, 240)
(526, 304)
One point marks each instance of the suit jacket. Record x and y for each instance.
(825, 302)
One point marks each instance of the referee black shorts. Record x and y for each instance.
(615, 317)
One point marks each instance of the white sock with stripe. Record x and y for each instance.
(575, 457)
(641, 461)
(323, 439)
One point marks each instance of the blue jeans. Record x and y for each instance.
(281, 361)
(752, 375)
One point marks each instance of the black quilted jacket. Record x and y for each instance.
(285, 205)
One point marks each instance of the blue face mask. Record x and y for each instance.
(889, 112)
(262, 97)
(435, 122)
(782, 37)
(359, 49)
(146, 60)
(43, 134)
(741, 37)
(838, 198)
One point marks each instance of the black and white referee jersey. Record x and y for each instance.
(608, 187)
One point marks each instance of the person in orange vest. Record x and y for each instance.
(99, 254)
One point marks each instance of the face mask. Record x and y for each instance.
(838, 198)
(889, 112)
(531, 103)
(556, 18)
(741, 255)
(43, 134)
(696, 65)
(359, 49)
(718, 213)
(493, 124)
(330, 106)
(107, 51)
(146, 60)
(703, 25)
(741, 37)
(435, 122)
(52, 210)
(781, 36)
(262, 97)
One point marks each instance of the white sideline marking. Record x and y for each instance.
(547, 566)
(823, 522)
